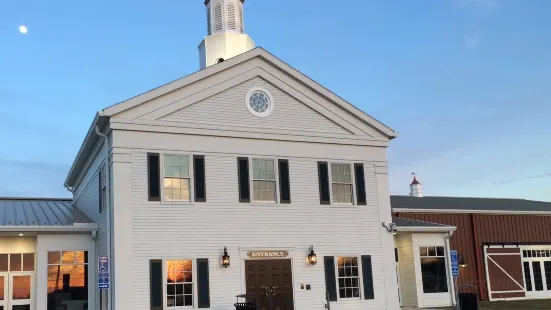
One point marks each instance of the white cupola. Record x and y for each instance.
(226, 36)
(415, 188)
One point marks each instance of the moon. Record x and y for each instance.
(23, 29)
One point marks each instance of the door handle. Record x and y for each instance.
(273, 291)
(266, 291)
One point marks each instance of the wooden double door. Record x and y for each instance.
(271, 283)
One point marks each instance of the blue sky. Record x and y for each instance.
(467, 83)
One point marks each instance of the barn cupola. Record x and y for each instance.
(226, 36)
(415, 188)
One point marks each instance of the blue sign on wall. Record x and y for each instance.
(103, 272)
(455, 263)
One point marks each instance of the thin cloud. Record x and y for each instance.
(526, 178)
(34, 165)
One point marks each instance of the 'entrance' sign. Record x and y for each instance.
(264, 254)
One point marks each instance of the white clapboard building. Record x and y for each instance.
(243, 178)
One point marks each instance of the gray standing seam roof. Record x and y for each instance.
(39, 212)
(470, 204)
(402, 222)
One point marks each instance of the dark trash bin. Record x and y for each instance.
(246, 304)
(468, 301)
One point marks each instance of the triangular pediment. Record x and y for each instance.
(229, 108)
(217, 96)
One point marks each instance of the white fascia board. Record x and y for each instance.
(405, 210)
(426, 229)
(77, 227)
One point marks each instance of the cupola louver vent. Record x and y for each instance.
(218, 26)
(231, 16)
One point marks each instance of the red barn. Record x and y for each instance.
(506, 243)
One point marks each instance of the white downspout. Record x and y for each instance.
(108, 210)
(451, 283)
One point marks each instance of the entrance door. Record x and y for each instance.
(271, 283)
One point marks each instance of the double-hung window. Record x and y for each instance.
(349, 277)
(264, 180)
(176, 177)
(342, 186)
(179, 283)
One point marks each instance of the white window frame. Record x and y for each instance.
(360, 277)
(191, 179)
(445, 257)
(193, 283)
(352, 175)
(251, 179)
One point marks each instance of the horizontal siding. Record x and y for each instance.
(202, 230)
(228, 108)
(408, 286)
(87, 200)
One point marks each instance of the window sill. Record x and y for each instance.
(343, 205)
(177, 202)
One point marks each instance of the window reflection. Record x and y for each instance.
(15, 262)
(21, 287)
(2, 280)
(67, 280)
(3, 262)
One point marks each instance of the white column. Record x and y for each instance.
(121, 252)
(387, 239)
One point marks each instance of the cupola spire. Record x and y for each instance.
(415, 188)
(226, 36)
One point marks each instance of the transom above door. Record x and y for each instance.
(270, 282)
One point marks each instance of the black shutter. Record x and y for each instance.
(243, 174)
(323, 177)
(367, 274)
(100, 192)
(203, 289)
(199, 173)
(153, 174)
(156, 284)
(360, 184)
(284, 183)
(330, 278)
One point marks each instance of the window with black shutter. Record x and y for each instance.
(360, 184)
(330, 278)
(285, 184)
(153, 180)
(200, 183)
(367, 274)
(203, 285)
(243, 179)
(156, 284)
(323, 179)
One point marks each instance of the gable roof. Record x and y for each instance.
(42, 214)
(103, 116)
(468, 204)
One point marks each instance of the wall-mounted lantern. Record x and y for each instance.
(462, 262)
(312, 257)
(225, 258)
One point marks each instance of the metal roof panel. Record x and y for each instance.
(40, 212)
